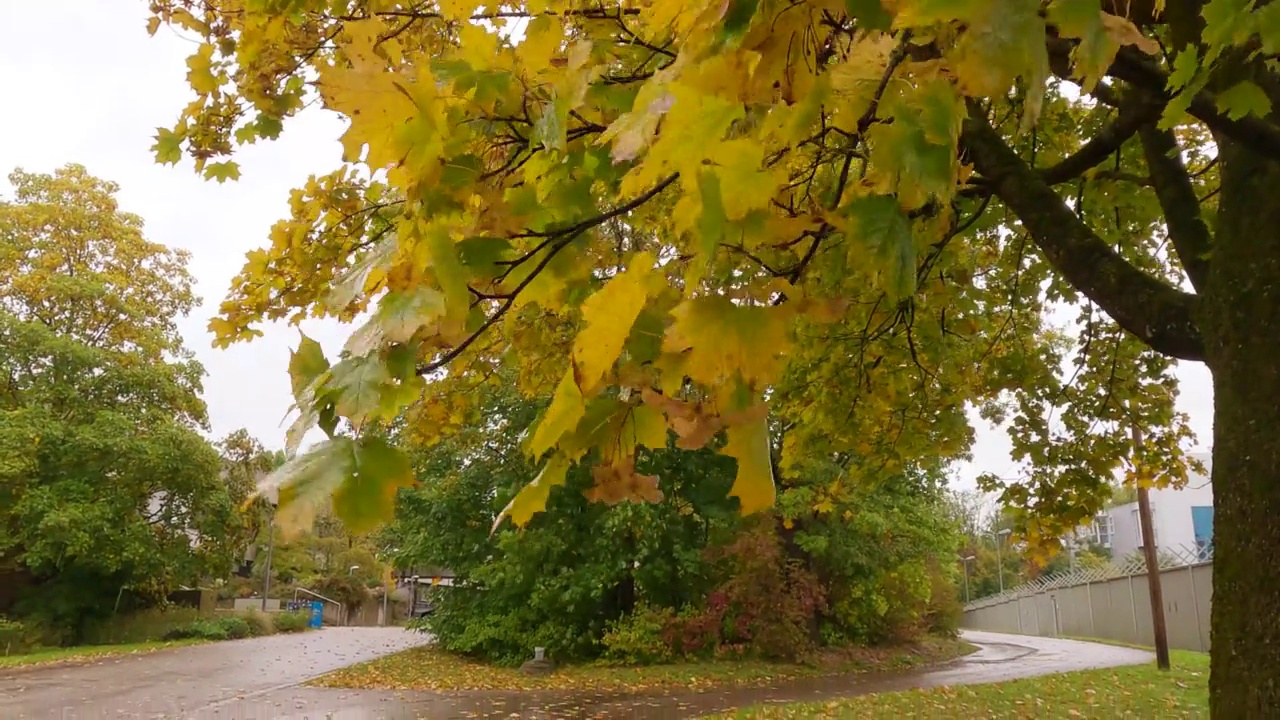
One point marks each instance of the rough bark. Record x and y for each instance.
(1241, 317)
(1187, 230)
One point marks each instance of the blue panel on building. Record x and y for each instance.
(1202, 526)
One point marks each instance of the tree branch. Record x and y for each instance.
(1260, 135)
(1158, 314)
(1133, 67)
(558, 241)
(1187, 230)
(1133, 115)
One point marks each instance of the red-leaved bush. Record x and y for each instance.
(766, 606)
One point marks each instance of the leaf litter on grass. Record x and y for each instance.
(432, 669)
(1140, 691)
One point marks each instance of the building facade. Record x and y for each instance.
(1182, 519)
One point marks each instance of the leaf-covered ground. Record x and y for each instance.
(1139, 691)
(429, 668)
(87, 653)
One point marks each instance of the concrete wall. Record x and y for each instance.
(203, 600)
(367, 614)
(1116, 609)
(246, 604)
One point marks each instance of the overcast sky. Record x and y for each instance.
(82, 82)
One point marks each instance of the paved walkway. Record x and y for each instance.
(259, 680)
(190, 681)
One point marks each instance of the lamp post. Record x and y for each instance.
(964, 560)
(386, 590)
(999, 563)
(273, 499)
(351, 570)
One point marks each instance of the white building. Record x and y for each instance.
(1182, 520)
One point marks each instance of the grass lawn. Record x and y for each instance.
(1140, 691)
(85, 653)
(428, 668)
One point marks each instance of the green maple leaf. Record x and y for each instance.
(870, 14)
(880, 222)
(359, 383)
(361, 476)
(736, 20)
(367, 496)
(222, 171)
(1244, 98)
(168, 146)
(306, 364)
(309, 480)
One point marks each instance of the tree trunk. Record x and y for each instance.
(1241, 322)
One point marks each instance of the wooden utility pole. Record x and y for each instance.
(1153, 558)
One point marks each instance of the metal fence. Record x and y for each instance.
(1110, 602)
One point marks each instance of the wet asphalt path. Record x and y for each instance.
(192, 681)
(259, 680)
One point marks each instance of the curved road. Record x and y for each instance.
(261, 679)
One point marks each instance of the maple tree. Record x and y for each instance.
(105, 480)
(684, 575)
(825, 228)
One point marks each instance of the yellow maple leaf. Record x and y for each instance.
(566, 409)
(721, 340)
(608, 316)
(532, 498)
(457, 9)
(749, 445)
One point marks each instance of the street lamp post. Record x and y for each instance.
(273, 498)
(386, 590)
(967, 560)
(999, 563)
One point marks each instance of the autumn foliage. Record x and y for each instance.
(870, 217)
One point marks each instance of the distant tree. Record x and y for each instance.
(108, 494)
(971, 510)
(245, 462)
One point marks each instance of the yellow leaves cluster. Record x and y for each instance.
(720, 340)
(611, 200)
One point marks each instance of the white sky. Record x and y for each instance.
(82, 82)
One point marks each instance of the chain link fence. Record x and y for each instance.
(1110, 601)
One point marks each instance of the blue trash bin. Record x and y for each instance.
(317, 614)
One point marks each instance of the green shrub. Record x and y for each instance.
(227, 627)
(235, 627)
(14, 636)
(945, 611)
(259, 623)
(291, 622)
(204, 629)
(637, 639)
(141, 626)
